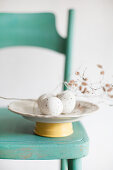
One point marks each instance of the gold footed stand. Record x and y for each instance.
(53, 129)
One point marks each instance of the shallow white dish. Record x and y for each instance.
(30, 111)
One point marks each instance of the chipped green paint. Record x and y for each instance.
(17, 141)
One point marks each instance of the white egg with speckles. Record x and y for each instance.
(41, 98)
(51, 106)
(68, 100)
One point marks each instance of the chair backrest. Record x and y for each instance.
(37, 29)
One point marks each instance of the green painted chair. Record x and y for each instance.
(17, 140)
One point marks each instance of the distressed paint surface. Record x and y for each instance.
(17, 141)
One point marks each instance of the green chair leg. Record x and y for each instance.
(74, 164)
(63, 164)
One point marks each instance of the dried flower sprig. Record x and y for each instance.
(82, 86)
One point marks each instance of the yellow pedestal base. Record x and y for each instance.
(53, 129)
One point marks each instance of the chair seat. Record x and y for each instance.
(17, 140)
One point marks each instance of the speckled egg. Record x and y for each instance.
(42, 97)
(68, 100)
(51, 106)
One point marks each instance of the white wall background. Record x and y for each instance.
(93, 43)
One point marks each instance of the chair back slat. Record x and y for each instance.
(30, 29)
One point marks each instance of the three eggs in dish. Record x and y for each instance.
(63, 102)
